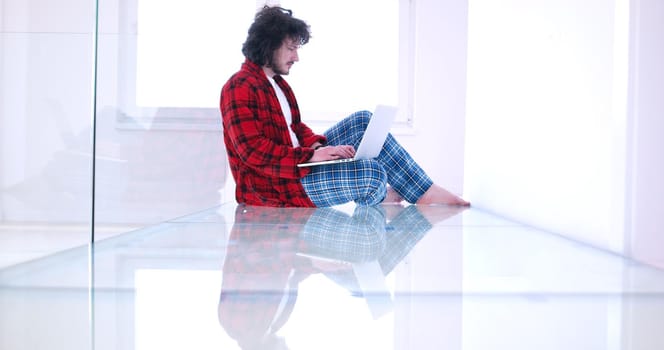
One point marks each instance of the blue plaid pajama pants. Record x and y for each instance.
(364, 181)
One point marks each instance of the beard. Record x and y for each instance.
(280, 69)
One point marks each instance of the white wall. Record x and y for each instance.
(545, 114)
(564, 119)
(645, 170)
(2, 89)
(439, 90)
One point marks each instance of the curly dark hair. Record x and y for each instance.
(271, 27)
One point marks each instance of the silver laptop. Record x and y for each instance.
(372, 140)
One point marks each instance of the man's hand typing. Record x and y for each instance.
(332, 152)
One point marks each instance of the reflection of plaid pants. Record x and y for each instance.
(364, 181)
(364, 236)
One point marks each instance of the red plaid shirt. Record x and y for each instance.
(260, 152)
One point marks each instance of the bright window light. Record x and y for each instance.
(186, 50)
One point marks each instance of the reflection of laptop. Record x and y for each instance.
(373, 138)
(371, 282)
(374, 288)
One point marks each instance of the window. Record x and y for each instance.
(184, 51)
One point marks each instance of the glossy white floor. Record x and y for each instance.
(251, 278)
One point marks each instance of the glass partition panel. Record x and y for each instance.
(159, 151)
(46, 80)
(45, 127)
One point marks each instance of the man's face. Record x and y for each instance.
(284, 57)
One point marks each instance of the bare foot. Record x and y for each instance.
(439, 213)
(392, 210)
(438, 195)
(392, 197)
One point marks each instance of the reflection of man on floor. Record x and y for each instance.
(272, 250)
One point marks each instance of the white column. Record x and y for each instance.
(545, 115)
(645, 142)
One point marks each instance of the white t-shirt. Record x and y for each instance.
(285, 109)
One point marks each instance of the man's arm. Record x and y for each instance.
(247, 134)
